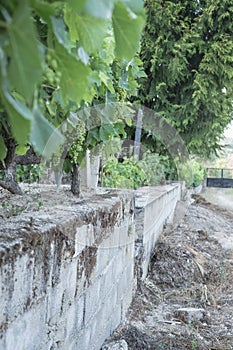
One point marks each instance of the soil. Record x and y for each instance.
(192, 270)
(220, 196)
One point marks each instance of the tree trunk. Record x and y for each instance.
(29, 158)
(75, 180)
(8, 182)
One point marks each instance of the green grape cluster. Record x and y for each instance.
(77, 147)
(121, 94)
(52, 74)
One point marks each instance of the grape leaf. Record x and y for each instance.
(106, 131)
(27, 125)
(89, 31)
(107, 82)
(77, 6)
(25, 67)
(74, 75)
(21, 150)
(43, 9)
(20, 117)
(100, 8)
(127, 29)
(44, 137)
(62, 35)
(137, 6)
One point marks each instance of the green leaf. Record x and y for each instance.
(21, 150)
(60, 32)
(3, 149)
(107, 82)
(20, 117)
(89, 31)
(44, 137)
(100, 8)
(43, 9)
(31, 126)
(25, 67)
(94, 78)
(137, 6)
(19, 107)
(74, 75)
(93, 133)
(77, 6)
(106, 132)
(70, 16)
(127, 30)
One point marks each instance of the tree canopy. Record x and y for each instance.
(187, 52)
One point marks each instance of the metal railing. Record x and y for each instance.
(219, 177)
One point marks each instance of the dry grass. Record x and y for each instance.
(188, 269)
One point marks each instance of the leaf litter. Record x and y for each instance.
(186, 301)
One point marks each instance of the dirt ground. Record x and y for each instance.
(220, 196)
(186, 301)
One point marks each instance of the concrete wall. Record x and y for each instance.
(68, 280)
(154, 207)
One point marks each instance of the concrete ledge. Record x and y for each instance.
(68, 275)
(155, 208)
(64, 277)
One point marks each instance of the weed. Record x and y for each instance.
(12, 209)
(194, 345)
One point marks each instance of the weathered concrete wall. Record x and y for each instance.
(68, 279)
(155, 207)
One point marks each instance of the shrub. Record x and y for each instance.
(125, 174)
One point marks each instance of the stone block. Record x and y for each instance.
(116, 345)
(190, 314)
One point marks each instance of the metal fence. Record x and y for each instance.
(217, 177)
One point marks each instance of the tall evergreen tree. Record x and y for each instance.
(187, 51)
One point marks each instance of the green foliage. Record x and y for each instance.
(126, 27)
(104, 133)
(131, 173)
(25, 67)
(57, 57)
(198, 172)
(155, 167)
(192, 173)
(187, 51)
(28, 173)
(126, 174)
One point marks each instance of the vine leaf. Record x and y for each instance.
(60, 32)
(42, 132)
(77, 6)
(74, 75)
(25, 67)
(43, 9)
(106, 132)
(100, 8)
(127, 28)
(107, 82)
(20, 118)
(89, 31)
